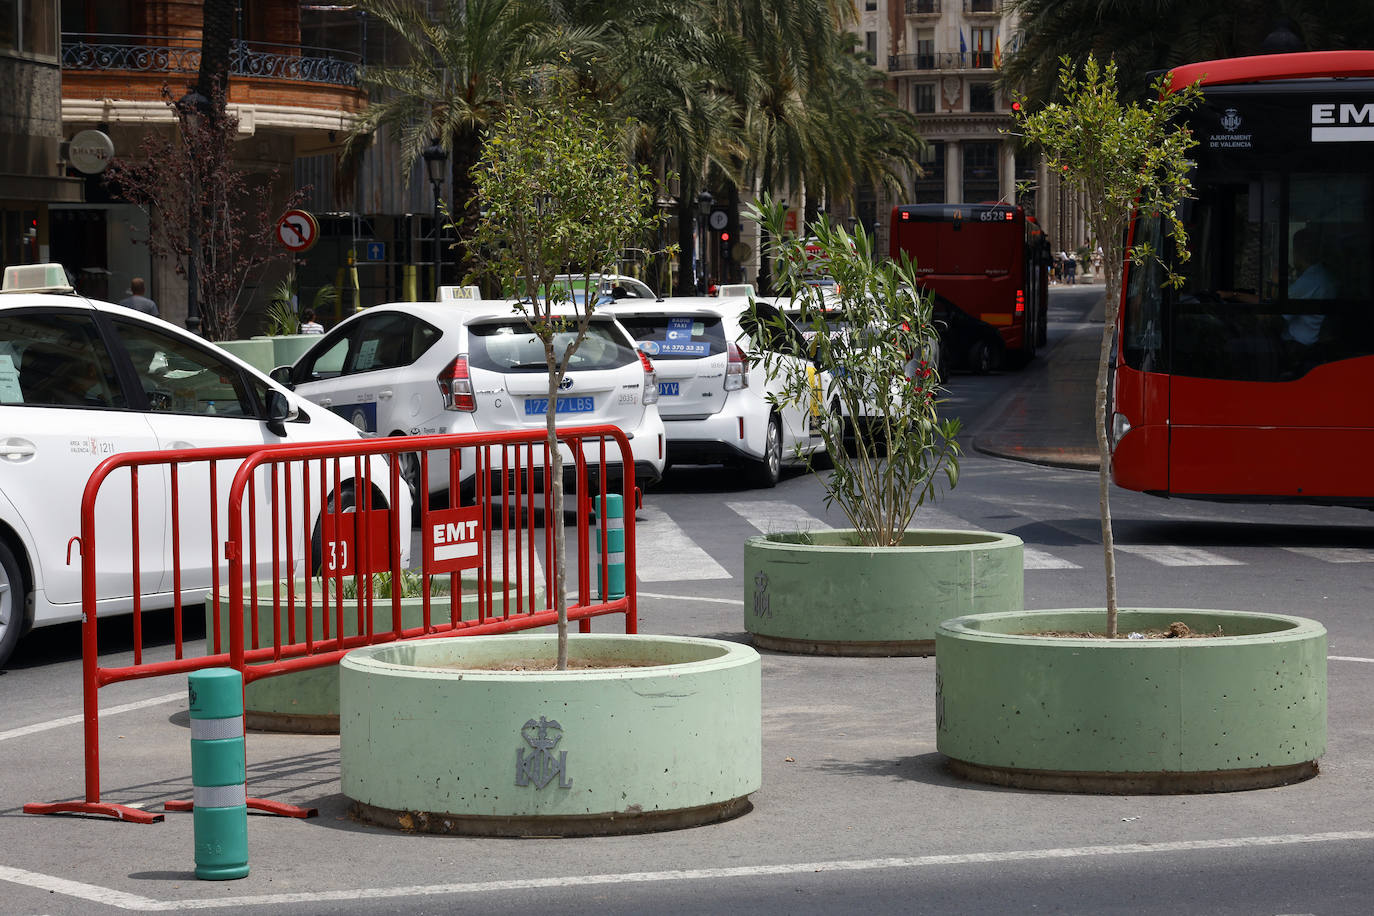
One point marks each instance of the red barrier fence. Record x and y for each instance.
(342, 512)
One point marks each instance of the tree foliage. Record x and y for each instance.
(875, 341)
(1123, 157)
(213, 219)
(557, 196)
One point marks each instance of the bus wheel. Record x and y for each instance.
(980, 358)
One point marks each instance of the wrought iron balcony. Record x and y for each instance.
(946, 60)
(257, 60)
(923, 7)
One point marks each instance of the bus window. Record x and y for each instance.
(1143, 321)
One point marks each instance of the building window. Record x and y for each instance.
(981, 182)
(923, 98)
(930, 187)
(980, 44)
(982, 98)
(1027, 167)
(29, 27)
(925, 49)
(870, 5)
(871, 47)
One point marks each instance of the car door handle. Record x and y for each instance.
(325, 402)
(179, 445)
(17, 449)
(384, 394)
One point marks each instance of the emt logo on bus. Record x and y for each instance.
(1332, 123)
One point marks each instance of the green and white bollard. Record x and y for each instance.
(219, 774)
(613, 521)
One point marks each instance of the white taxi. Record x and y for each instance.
(413, 368)
(715, 409)
(83, 380)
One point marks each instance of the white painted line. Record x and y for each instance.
(129, 901)
(76, 720)
(735, 601)
(1033, 558)
(770, 516)
(1170, 555)
(664, 552)
(1349, 658)
(1335, 554)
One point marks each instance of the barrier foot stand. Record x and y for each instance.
(120, 812)
(265, 805)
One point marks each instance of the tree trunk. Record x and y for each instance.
(1104, 453)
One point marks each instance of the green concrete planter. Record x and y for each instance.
(307, 702)
(256, 352)
(1240, 711)
(433, 739)
(287, 348)
(818, 593)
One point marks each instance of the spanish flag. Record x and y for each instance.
(997, 52)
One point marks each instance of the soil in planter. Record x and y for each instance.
(549, 664)
(1177, 630)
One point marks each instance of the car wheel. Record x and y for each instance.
(13, 600)
(980, 358)
(768, 469)
(410, 473)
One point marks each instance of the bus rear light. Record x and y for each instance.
(736, 368)
(650, 379)
(455, 385)
(1020, 301)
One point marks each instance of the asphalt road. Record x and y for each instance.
(856, 813)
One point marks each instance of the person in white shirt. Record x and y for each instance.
(308, 323)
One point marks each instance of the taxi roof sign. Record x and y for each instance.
(36, 278)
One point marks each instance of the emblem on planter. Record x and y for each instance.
(761, 608)
(542, 765)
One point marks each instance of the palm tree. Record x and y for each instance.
(1147, 35)
(469, 60)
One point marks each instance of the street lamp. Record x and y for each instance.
(436, 164)
(193, 108)
(704, 202)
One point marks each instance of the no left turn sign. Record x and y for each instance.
(297, 230)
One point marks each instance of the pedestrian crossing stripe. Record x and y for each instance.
(1033, 558)
(1174, 555)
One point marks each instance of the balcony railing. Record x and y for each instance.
(946, 60)
(149, 54)
(983, 7)
(923, 7)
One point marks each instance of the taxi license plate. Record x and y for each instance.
(668, 389)
(540, 406)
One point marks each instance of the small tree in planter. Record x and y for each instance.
(557, 193)
(880, 587)
(1122, 158)
(878, 348)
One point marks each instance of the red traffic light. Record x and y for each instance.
(725, 236)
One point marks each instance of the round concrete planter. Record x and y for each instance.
(433, 739)
(307, 702)
(1240, 711)
(818, 593)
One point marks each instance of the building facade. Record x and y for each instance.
(942, 60)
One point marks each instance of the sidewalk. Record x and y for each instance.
(1049, 418)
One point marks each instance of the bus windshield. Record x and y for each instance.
(1282, 266)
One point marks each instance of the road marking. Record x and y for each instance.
(1033, 558)
(1172, 555)
(77, 720)
(735, 601)
(664, 552)
(1349, 658)
(1335, 554)
(93, 893)
(769, 516)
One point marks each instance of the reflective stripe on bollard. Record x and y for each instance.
(613, 522)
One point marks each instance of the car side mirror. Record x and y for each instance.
(282, 376)
(279, 410)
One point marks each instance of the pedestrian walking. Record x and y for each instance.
(308, 323)
(137, 300)
(1070, 267)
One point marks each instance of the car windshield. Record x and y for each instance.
(513, 347)
(677, 336)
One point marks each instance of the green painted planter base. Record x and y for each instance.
(1242, 710)
(1135, 783)
(549, 827)
(819, 593)
(883, 648)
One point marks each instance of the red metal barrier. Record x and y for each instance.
(338, 508)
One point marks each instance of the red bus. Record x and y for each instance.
(989, 260)
(1253, 380)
